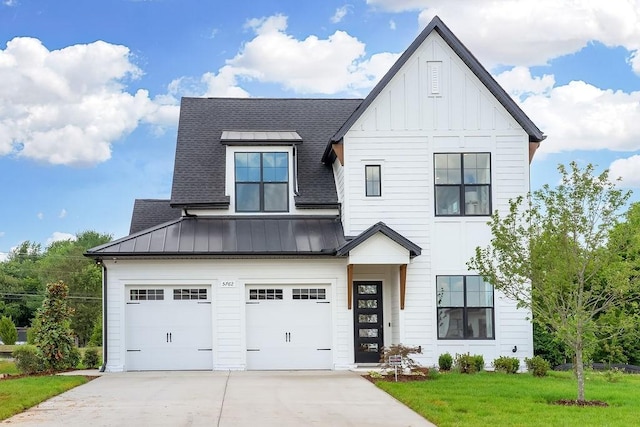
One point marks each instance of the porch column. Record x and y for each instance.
(349, 285)
(403, 284)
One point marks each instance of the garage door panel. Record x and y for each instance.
(168, 333)
(289, 333)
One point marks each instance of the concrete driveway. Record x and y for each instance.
(300, 398)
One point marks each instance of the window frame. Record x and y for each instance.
(461, 187)
(366, 180)
(465, 309)
(261, 183)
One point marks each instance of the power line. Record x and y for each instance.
(43, 296)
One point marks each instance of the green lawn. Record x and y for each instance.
(493, 399)
(7, 367)
(19, 394)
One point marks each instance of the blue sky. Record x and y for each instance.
(89, 90)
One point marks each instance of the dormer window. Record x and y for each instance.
(261, 181)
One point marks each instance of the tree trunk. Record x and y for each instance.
(580, 373)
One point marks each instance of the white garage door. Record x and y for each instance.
(168, 328)
(288, 327)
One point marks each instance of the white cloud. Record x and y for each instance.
(392, 24)
(531, 32)
(328, 66)
(579, 116)
(3, 256)
(63, 213)
(10, 3)
(40, 216)
(341, 12)
(68, 106)
(626, 169)
(520, 84)
(59, 236)
(2, 233)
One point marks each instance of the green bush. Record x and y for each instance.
(8, 331)
(96, 334)
(91, 358)
(509, 365)
(613, 375)
(464, 364)
(53, 336)
(27, 359)
(537, 366)
(445, 361)
(478, 362)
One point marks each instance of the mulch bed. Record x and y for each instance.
(569, 402)
(420, 375)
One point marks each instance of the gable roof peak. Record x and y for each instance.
(436, 24)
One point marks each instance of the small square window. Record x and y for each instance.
(373, 181)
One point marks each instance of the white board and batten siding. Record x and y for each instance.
(228, 281)
(413, 117)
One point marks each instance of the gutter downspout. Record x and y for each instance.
(104, 314)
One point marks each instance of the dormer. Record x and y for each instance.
(261, 172)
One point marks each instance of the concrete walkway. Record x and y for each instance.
(299, 398)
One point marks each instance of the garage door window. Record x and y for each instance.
(309, 294)
(146, 294)
(189, 294)
(260, 294)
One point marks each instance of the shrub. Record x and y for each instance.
(464, 364)
(96, 333)
(53, 336)
(509, 365)
(445, 361)
(537, 366)
(91, 358)
(27, 359)
(403, 352)
(478, 362)
(613, 375)
(433, 373)
(8, 331)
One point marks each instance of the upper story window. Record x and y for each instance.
(373, 182)
(462, 184)
(465, 307)
(261, 181)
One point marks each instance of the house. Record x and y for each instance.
(310, 233)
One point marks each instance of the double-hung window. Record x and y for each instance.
(465, 307)
(462, 184)
(262, 182)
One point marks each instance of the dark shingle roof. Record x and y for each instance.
(380, 227)
(535, 134)
(199, 173)
(148, 213)
(232, 237)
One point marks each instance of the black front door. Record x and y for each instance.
(367, 321)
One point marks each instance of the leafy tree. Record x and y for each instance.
(64, 261)
(21, 290)
(549, 253)
(53, 336)
(8, 331)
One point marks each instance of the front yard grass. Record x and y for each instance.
(8, 367)
(499, 399)
(19, 394)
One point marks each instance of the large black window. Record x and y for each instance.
(262, 182)
(462, 184)
(465, 307)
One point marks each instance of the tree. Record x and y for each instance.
(64, 261)
(53, 336)
(21, 290)
(8, 331)
(549, 253)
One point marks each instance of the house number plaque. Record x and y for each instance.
(228, 284)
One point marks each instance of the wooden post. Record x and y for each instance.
(403, 284)
(349, 285)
